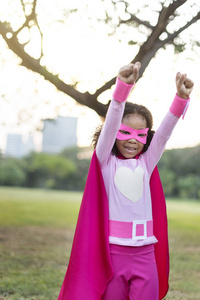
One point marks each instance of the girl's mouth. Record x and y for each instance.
(130, 149)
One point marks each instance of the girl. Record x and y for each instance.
(113, 250)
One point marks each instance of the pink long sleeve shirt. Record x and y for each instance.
(127, 180)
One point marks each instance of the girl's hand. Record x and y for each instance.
(130, 73)
(184, 85)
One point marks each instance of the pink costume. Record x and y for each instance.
(90, 268)
(127, 180)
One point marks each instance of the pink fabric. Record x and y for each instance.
(179, 106)
(125, 229)
(122, 90)
(120, 229)
(142, 209)
(135, 274)
(90, 268)
(138, 134)
(160, 228)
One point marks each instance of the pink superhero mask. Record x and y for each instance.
(127, 133)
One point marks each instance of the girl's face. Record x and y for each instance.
(130, 148)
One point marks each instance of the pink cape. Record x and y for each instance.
(90, 269)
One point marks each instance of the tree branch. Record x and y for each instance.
(28, 18)
(135, 19)
(30, 63)
(146, 52)
(153, 43)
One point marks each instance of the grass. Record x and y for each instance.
(184, 238)
(25, 207)
(36, 232)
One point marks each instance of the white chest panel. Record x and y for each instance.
(130, 183)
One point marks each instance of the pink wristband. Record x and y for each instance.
(122, 90)
(179, 106)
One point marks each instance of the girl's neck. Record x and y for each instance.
(122, 157)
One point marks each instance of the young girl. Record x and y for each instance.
(113, 250)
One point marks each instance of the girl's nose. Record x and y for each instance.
(132, 141)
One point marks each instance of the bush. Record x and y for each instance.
(12, 172)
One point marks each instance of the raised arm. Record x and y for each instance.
(177, 109)
(125, 81)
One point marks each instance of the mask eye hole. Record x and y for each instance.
(125, 132)
(142, 134)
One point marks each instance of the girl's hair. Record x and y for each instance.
(130, 109)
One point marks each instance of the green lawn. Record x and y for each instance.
(184, 238)
(35, 207)
(36, 232)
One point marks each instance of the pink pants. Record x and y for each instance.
(135, 274)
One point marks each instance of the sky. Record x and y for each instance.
(92, 58)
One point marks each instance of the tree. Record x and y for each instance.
(49, 171)
(179, 172)
(189, 186)
(12, 172)
(169, 183)
(77, 180)
(165, 23)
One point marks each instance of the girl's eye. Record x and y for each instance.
(142, 134)
(124, 132)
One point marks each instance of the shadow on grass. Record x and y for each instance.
(33, 262)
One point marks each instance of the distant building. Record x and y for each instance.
(14, 145)
(17, 146)
(59, 133)
(28, 145)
